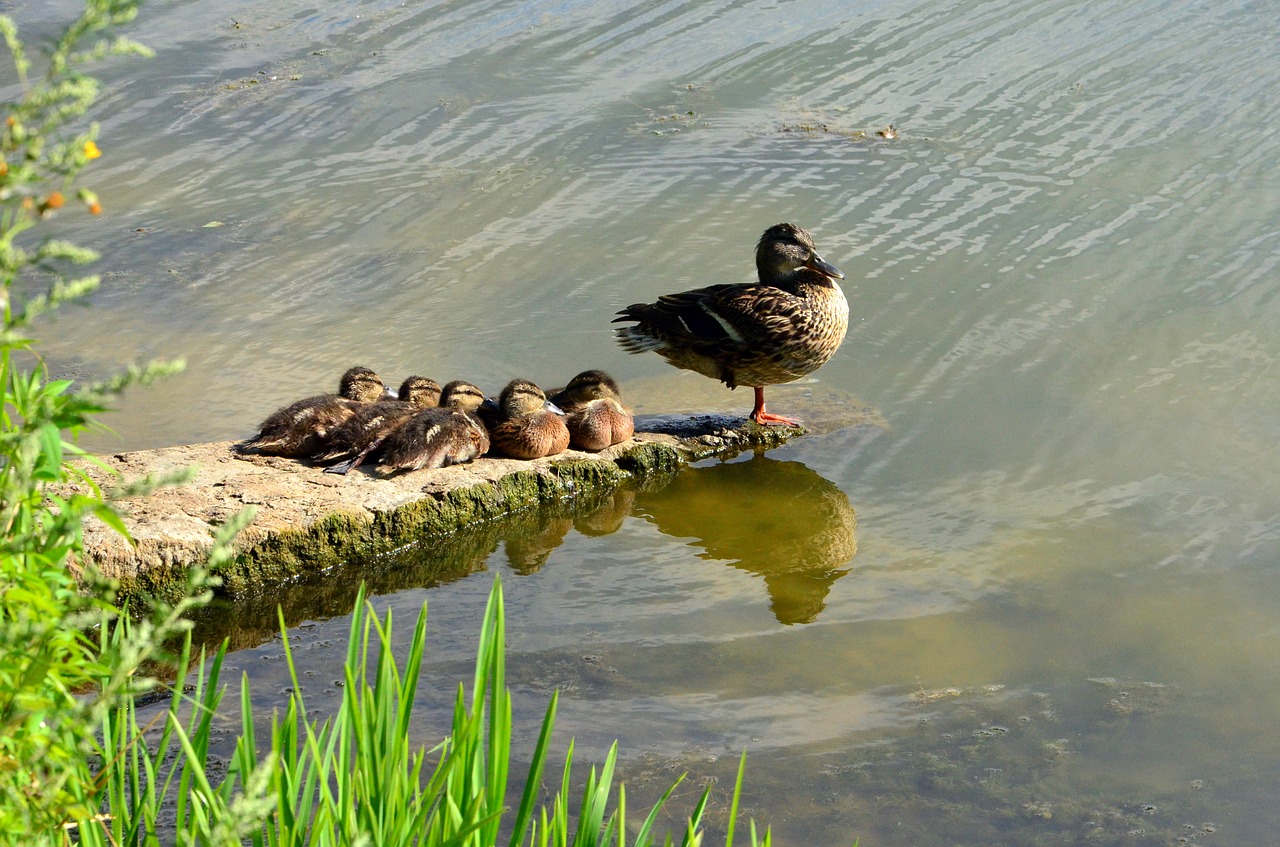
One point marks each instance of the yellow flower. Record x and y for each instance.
(91, 150)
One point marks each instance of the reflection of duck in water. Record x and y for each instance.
(607, 517)
(531, 539)
(786, 523)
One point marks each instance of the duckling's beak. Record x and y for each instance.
(823, 267)
(552, 407)
(392, 393)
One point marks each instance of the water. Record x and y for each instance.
(1059, 621)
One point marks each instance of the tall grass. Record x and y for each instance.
(355, 778)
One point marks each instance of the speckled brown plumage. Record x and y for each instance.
(786, 325)
(302, 428)
(593, 411)
(531, 426)
(434, 438)
(363, 433)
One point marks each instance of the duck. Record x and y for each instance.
(778, 329)
(302, 429)
(531, 426)
(364, 431)
(449, 434)
(593, 412)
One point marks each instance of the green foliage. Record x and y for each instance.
(58, 679)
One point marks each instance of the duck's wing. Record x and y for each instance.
(720, 320)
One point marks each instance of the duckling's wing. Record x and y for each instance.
(302, 426)
(365, 430)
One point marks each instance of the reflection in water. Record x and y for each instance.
(528, 551)
(528, 539)
(532, 536)
(778, 519)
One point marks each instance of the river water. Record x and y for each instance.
(1054, 618)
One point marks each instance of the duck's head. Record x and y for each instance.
(420, 391)
(461, 396)
(362, 384)
(588, 386)
(521, 397)
(785, 250)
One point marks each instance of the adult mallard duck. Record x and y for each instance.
(593, 411)
(302, 428)
(434, 438)
(776, 330)
(363, 433)
(531, 426)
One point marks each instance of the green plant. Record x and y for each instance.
(355, 778)
(57, 679)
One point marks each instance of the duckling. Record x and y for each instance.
(434, 438)
(302, 428)
(593, 411)
(786, 325)
(532, 426)
(364, 431)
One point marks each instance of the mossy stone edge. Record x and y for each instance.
(271, 552)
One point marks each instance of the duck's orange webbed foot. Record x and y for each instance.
(760, 416)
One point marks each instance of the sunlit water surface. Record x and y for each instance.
(1054, 619)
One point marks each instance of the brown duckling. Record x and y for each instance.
(434, 438)
(593, 411)
(531, 425)
(775, 330)
(302, 428)
(364, 431)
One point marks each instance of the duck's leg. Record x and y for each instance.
(760, 416)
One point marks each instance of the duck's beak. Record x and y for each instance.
(823, 267)
(552, 407)
(392, 393)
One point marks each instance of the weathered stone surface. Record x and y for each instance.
(307, 520)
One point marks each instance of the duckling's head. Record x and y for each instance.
(785, 250)
(461, 396)
(361, 384)
(420, 391)
(521, 397)
(588, 386)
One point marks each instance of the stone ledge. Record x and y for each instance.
(308, 521)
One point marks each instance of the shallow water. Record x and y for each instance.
(1054, 617)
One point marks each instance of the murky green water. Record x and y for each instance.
(1060, 623)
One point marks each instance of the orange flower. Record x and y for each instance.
(95, 208)
(91, 150)
(54, 201)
